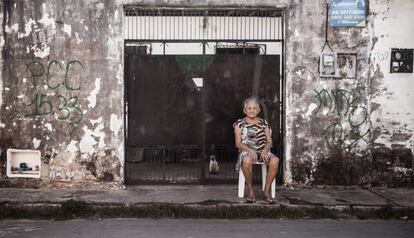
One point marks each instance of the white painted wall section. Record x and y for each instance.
(393, 28)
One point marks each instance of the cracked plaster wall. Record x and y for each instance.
(325, 143)
(62, 86)
(349, 131)
(321, 136)
(392, 97)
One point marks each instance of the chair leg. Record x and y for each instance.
(242, 183)
(264, 175)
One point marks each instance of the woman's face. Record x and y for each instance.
(251, 109)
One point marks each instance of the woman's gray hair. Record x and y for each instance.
(251, 99)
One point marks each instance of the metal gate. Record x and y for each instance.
(180, 106)
(166, 135)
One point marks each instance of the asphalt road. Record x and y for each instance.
(188, 228)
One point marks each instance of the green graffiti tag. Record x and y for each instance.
(362, 137)
(62, 108)
(48, 74)
(338, 102)
(343, 101)
(334, 134)
(73, 104)
(35, 73)
(38, 104)
(68, 86)
(356, 123)
(65, 108)
(324, 99)
(342, 104)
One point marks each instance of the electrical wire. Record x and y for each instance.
(326, 28)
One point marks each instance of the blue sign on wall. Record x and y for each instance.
(347, 13)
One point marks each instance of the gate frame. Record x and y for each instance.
(282, 116)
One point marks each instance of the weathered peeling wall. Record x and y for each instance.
(392, 97)
(329, 122)
(324, 138)
(62, 89)
(62, 83)
(3, 12)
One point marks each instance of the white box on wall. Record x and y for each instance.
(328, 65)
(23, 163)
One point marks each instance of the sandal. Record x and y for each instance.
(269, 199)
(250, 200)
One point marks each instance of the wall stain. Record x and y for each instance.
(343, 168)
(392, 167)
(104, 167)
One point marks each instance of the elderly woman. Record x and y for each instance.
(253, 139)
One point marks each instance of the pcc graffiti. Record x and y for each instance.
(57, 98)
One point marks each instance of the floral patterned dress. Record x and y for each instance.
(252, 135)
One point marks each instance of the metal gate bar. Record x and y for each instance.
(167, 165)
(163, 164)
(202, 24)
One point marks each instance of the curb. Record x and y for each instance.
(73, 209)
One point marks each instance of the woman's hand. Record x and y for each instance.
(265, 155)
(253, 154)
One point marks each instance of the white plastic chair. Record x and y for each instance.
(242, 180)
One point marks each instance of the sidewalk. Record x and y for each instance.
(346, 203)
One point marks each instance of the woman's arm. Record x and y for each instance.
(240, 145)
(269, 144)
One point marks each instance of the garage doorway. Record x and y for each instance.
(182, 96)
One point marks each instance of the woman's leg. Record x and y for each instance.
(247, 171)
(273, 165)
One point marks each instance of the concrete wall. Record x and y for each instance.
(322, 146)
(62, 86)
(391, 95)
(73, 52)
(366, 136)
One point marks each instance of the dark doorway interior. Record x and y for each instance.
(165, 114)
